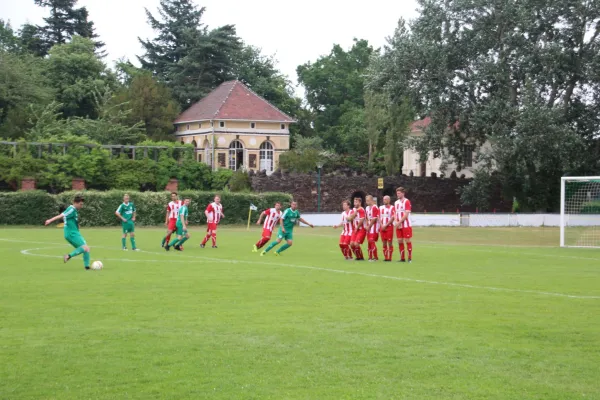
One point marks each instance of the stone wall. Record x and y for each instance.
(425, 193)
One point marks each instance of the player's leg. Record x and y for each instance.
(213, 237)
(266, 236)
(400, 238)
(131, 230)
(359, 241)
(285, 246)
(273, 244)
(78, 242)
(408, 240)
(124, 238)
(375, 239)
(208, 235)
(343, 246)
(181, 241)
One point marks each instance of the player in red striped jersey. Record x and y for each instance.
(387, 216)
(214, 213)
(346, 235)
(171, 217)
(272, 216)
(403, 225)
(372, 227)
(358, 236)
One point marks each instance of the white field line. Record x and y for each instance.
(396, 278)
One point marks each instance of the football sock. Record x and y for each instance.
(401, 247)
(182, 241)
(343, 248)
(173, 242)
(86, 259)
(284, 247)
(123, 242)
(390, 251)
(213, 237)
(409, 247)
(206, 238)
(167, 238)
(132, 239)
(360, 253)
(375, 256)
(273, 244)
(76, 252)
(261, 242)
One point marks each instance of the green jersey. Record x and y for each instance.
(289, 219)
(70, 220)
(126, 210)
(183, 210)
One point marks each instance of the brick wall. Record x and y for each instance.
(426, 194)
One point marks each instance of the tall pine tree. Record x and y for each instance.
(64, 22)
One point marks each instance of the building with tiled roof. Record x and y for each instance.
(233, 127)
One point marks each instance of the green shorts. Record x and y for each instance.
(75, 239)
(128, 227)
(180, 231)
(288, 235)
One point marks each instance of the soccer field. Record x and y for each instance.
(479, 314)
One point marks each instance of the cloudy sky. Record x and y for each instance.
(295, 32)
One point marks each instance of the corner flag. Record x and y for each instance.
(252, 208)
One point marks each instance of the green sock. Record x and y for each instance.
(284, 248)
(123, 242)
(76, 252)
(173, 242)
(182, 241)
(273, 244)
(86, 259)
(133, 246)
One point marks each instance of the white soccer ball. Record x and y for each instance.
(97, 265)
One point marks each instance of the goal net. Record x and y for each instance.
(580, 212)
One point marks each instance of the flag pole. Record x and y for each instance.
(249, 215)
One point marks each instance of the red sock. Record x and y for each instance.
(385, 251)
(206, 239)
(370, 249)
(261, 242)
(359, 253)
(375, 256)
(401, 251)
(390, 251)
(409, 247)
(344, 247)
(214, 238)
(168, 238)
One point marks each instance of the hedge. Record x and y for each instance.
(34, 207)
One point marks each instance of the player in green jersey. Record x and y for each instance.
(286, 229)
(71, 230)
(126, 213)
(182, 225)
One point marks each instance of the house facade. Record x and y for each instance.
(433, 163)
(233, 127)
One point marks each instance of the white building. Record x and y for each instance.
(434, 162)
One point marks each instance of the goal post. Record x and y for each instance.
(580, 211)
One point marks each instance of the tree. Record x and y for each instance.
(334, 86)
(150, 103)
(9, 42)
(77, 74)
(64, 22)
(484, 71)
(185, 55)
(22, 84)
(376, 120)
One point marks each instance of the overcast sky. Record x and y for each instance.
(294, 31)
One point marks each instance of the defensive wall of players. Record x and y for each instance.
(474, 219)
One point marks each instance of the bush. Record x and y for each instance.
(27, 208)
(240, 182)
(220, 179)
(99, 209)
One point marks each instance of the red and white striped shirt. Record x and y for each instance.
(173, 208)
(403, 207)
(272, 216)
(372, 212)
(387, 214)
(348, 227)
(360, 216)
(214, 212)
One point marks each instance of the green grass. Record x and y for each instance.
(479, 314)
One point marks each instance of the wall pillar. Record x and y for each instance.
(27, 184)
(172, 185)
(78, 184)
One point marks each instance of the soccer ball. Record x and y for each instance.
(97, 265)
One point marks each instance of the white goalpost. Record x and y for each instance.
(580, 211)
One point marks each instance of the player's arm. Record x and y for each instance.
(118, 214)
(167, 217)
(56, 218)
(281, 221)
(407, 211)
(260, 217)
(305, 222)
(352, 215)
(134, 211)
(183, 221)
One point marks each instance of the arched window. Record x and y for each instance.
(236, 155)
(194, 144)
(266, 157)
(207, 152)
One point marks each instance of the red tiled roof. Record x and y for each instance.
(233, 100)
(420, 125)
